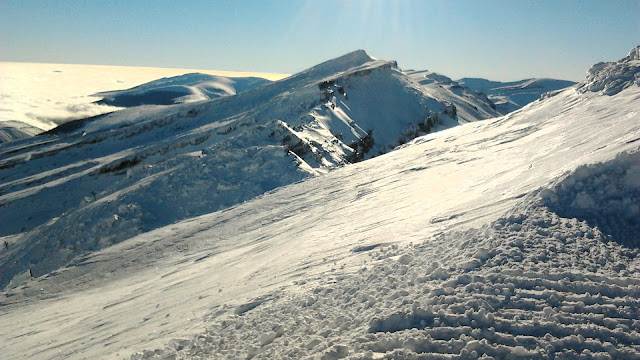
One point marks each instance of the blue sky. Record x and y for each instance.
(499, 40)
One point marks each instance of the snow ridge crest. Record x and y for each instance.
(609, 78)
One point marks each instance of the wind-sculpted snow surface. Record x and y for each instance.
(470, 106)
(533, 284)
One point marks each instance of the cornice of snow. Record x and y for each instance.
(609, 78)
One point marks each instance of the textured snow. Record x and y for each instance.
(513, 237)
(14, 130)
(610, 78)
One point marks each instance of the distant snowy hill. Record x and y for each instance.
(470, 105)
(102, 180)
(37, 97)
(510, 96)
(179, 89)
(513, 237)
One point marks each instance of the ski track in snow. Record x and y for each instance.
(514, 237)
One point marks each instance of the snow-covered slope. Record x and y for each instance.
(514, 237)
(96, 182)
(470, 105)
(510, 96)
(179, 89)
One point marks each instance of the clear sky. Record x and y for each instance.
(499, 40)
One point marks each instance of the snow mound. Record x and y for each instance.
(609, 78)
(606, 196)
(179, 89)
(533, 284)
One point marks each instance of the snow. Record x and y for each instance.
(506, 238)
(13, 130)
(612, 77)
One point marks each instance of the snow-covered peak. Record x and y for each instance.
(634, 54)
(342, 63)
(609, 78)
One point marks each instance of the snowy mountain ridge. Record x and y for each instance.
(103, 180)
(470, 105)
(511, 96)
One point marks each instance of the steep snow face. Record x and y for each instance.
(511, 96)
(470, 105)
(610, 78)
(510, 258)
(100, 181)
(179, 89)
